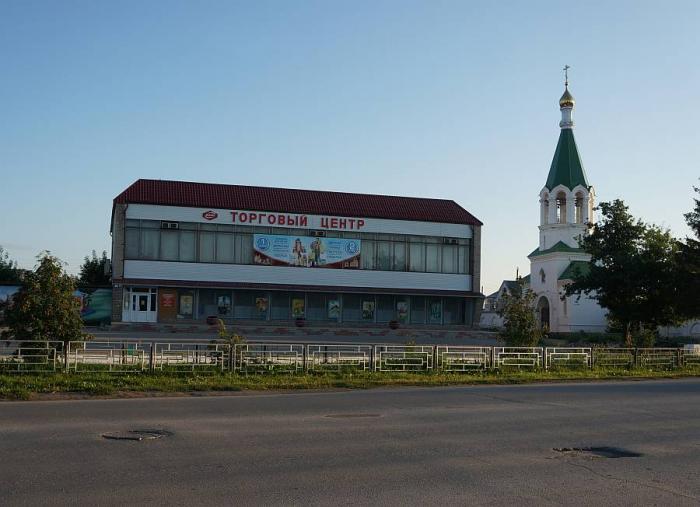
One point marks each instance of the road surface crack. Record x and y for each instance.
(631, 481)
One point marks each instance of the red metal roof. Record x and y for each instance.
(313, 202)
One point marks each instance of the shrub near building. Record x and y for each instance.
(45, 308)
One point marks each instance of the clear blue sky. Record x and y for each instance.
(443, 99)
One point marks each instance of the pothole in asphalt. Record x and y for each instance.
(599, 452)
(137, 435)
(351, 416)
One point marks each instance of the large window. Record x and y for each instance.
(211, 243)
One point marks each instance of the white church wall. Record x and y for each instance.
(690, 328)
(585, 315)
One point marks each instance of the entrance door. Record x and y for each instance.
(143, 307)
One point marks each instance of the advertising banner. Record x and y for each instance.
(306, 251)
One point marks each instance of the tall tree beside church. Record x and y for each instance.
(632, 273)
(95, 270)
(689, 266)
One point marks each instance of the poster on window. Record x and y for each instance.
(186, 302)
(306, 251)
(435, 312)
(297, 308)
(368, 310)
(261, 306)
(333, 309)
(402, 311)
(223, 305)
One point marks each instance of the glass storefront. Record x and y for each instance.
(331, 307)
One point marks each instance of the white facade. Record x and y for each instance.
(565, 211)
(201, 272)
(316, 222)
(187, 263)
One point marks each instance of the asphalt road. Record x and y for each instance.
(489, 445)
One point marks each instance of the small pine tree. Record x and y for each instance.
(45, 307)
(8, 268)
(520, 325)
(95, 270)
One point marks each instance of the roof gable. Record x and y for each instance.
(314, 202)
(575, 268)
(560, 246)
(566, 168)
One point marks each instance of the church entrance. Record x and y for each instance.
(543, 312)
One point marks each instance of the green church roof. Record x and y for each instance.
(575, 268)
(560, 246)
(566, 166)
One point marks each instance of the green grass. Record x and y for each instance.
(33, 385)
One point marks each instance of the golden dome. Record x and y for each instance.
(567, 100)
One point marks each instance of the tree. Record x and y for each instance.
(688, 281)
(9, 272)
(520, 325)
(95, 270)
(45, 308)
(632, 272)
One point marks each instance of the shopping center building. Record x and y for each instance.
(183, 252)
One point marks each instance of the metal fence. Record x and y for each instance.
(690, 358)
(182, 357)
(338, 357)
(107, 356)
(658, 358)
(403, 357)
(517, 357)
(568, 357)
(613, 358)
(269, 357)
(129, 356)
(462, 359)
(31, 356)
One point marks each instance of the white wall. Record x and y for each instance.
(231, 273)
(181, 214)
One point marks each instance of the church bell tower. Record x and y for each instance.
(566, 207)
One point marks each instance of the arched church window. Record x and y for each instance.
(578, 208)
(561, 208)
(545, 209)
(543, 277)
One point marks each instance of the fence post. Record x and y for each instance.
(66, 356)
(304, 348)
(151, 357)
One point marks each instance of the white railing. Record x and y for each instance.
(122, 356)
(403, 357)
(269, 358)
(658, 358)
(690, 358)
(462, 358)
(107, 356)
(338, 357)
(517, 357)
(17, 356)
(613, 357)
(567, 357)
(195, 356)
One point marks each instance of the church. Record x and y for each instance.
(567, 203)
